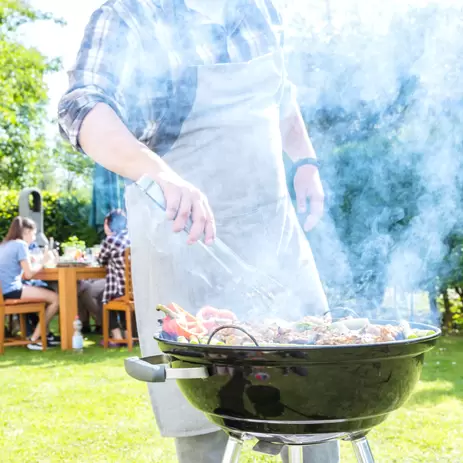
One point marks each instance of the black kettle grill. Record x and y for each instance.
(295, 396)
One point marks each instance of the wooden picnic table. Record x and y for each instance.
(67, 278)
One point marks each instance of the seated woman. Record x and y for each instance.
(15, 263)
(32, 318)
(112, 256)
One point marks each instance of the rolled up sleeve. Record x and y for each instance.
(99, 74)
(288, 103)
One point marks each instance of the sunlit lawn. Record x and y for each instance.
(65, 407)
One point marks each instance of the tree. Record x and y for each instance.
(23, 97)
(66, 170)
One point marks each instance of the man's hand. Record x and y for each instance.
(184, 201)
(307, 185)
(105, 138)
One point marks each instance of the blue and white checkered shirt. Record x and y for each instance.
(112, 255)
(138, 57)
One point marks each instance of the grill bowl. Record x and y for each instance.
(301, 390)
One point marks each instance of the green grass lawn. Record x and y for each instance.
(65, 407)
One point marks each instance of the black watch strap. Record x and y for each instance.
(305, 162)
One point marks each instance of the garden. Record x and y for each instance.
(69, 407)
(383, 103)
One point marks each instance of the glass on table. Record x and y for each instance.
(53, 259)
(91, 257)
(36, 255)
(69, 253)
(96, 251)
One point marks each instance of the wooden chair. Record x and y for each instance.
(123, 304)
(21, 307)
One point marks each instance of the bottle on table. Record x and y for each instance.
(77, 338)
(53, 255)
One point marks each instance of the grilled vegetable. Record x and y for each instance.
(212, 318)
(304, 326)
(169, 325)
(184, 327)
(420, 334)
(181, 323)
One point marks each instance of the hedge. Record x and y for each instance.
(65, 215)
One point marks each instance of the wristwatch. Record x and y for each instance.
(293, 169)
(305, 162)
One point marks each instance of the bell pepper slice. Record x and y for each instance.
(181, 322)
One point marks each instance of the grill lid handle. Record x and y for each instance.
(156, 370)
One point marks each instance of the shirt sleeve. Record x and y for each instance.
(22, 251)
(99, 73)
(105, 252)
(288, 102)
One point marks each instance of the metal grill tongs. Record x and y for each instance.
(254, 283)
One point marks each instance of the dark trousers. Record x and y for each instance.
(117, 320)
(90, 294)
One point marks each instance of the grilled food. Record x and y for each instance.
(319, 331)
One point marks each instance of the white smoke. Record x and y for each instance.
(400, 60)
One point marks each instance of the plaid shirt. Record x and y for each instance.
(139, 57)
(112, 256)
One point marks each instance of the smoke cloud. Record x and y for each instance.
(380, 84)
(381, 89)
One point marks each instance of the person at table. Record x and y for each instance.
(15, 263)
(32, 318)
(85, 301)
(112, 255)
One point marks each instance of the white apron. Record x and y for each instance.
(230, 148)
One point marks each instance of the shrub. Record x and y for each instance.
(65, 215)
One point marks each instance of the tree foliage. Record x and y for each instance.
(23, 98)
(65, 215)
(65, 170)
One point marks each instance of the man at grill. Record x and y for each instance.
(194, 94)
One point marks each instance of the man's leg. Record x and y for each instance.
(83, 304)
(96, 290)
(88, 304)
(320, 453)
(206, 448)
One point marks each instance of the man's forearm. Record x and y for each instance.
(296, 141)
(105, 138)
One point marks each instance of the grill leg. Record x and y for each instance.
(362, 450)
(233, 450)
(295, 454)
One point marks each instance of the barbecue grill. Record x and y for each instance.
(291, 395)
